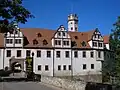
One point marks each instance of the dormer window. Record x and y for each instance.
(39, 35)
(45, 42)
(35, 42)
(83, 44)
(76, 37)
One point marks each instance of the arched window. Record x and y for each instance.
(35, 42)
(45, 42)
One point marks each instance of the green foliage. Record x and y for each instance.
(112, 67)
(13, 11)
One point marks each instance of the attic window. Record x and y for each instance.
(35, 42)
(83, 44)
(76, 37)
(45, 42)
(39, 35)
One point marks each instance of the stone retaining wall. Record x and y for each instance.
(64, 83)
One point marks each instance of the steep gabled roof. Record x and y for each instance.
(106, 39)
(32, 33)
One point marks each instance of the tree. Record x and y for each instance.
(112, 66)
(12, 11)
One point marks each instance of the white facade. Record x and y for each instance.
(59, 60)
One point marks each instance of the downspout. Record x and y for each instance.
(4, 51)
(53, 63)
(53, 57)
(3, 57)
(71, 64)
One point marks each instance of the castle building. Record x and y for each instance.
(61, 52)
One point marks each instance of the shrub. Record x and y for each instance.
(5, 73)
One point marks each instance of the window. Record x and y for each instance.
(35, 42)
(69, 67)
(59, 33)
(83, 44)
(38, 53)
(57, 54)
(100, 44)
(46, 68)
(28, 53)
(9, 41)
(8, 53)
(39, 67)
(99, 54)
(64, 67)
(76, 37)
(48, 53)
(57, 42)
(84, 66)
(39, 35)
(92, 66)
(65, 42)
(18, 41)
(63, 33)
(67, 54)
(95, 44)
(59, 67)
(75, 28)
(75, 54)
(98, 36)
(91, 54)
(84, 54)
(71, 28)
(45, 42)
(18, 53)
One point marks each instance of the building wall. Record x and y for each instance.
(62, 61)
(78, 63)
(1, 58)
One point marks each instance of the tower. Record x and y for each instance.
(73, 23)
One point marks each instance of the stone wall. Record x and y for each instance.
(64, 83)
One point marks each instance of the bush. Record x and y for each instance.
(5, 73)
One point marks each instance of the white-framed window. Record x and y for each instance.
(57, 42)
(92, 66)
(39, 67)
(67, 54)
(17, 41)
(75, 54)
(57, 54)
(46, 68)
(9, 41)
(84, 66)
(92, 54)
(59, 67)
(66, 43)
